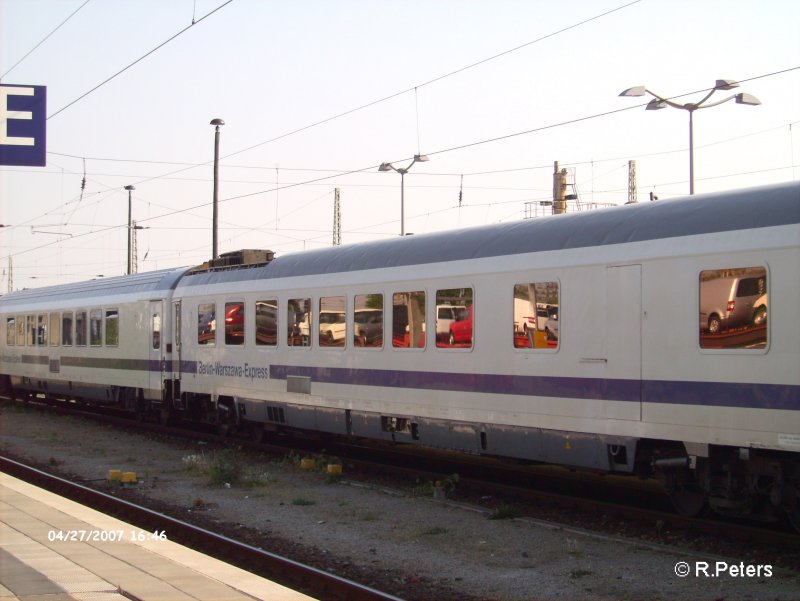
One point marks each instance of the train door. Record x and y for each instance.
(156, 359)
(624, 331)
(176, 341)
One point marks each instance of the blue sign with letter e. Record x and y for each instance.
(23, 125)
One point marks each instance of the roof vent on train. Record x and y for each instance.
(237, 259)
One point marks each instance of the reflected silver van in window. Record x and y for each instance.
(732, 298)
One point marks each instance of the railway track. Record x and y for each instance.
(546, 492)
(314, 582)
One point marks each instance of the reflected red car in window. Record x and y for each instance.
(461, 328)
(234, 323)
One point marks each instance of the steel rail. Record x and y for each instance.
(285, 571)
(485, 477)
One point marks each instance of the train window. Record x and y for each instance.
(368, 320)
(331, 321)
(408, 319)
(206, 324)
(66, 329)
(156, 331)
(30, 336)
(20, 330)
(11, 330)
(112, 327)
(80, 328)
(536, 315)
(299, 322)
(454, 313)
(267, 323)
(55, 329)
(234, 324)
(95, 327)
(733, 308)
(41, 330)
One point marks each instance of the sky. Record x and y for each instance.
(316, 94)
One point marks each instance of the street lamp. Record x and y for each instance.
(130, 230)
(659, 102)
(418, 158)
(215, 216)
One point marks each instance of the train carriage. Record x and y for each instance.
(631, 371)
(98, 341)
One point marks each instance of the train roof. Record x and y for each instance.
(140, 285)
(738, 210)
(692, 215)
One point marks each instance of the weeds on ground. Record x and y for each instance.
(303, 502)
(435, 531)
(225, 468)
(504, 512)
(291, 459)
(426, 488)
(580, 573)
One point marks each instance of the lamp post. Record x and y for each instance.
(659, 102)
(130, 230)
(215, 215)
(418, 158)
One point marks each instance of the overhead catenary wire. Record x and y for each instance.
(276, 188)
(443, 76)
(373, 167)
(31, 51)
(188, 165)
(404, 91)
(511, 135)
(138, 60)
(191, 252)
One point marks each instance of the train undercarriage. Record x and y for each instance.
(755, 484)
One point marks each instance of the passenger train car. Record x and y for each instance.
(639, 369)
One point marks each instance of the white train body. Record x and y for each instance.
(97, 368)
(631, 383)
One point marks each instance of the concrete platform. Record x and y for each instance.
(53, 549)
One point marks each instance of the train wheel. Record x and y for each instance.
(689, 501)
(687, 497)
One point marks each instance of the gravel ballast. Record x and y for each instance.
(392, 538)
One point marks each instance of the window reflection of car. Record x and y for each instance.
(368, 326)
(299, 328)
(542, 315)
(760, 310)
(266, 322)
(461, 329)
(730, 302)
(206, 327)
(234, 324)
(524, 317)
(551, 326)
(446, 315)
(331, 326)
